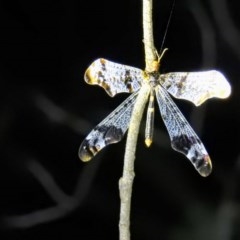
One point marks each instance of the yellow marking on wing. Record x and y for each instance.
(89, 77)
(103, 61)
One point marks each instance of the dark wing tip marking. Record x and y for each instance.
(110, 130)
(105, 136)
(187, 146)
(181, 143)
(113, 135)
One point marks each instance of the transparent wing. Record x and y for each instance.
(183, 138)
(196, 87)
(113, 77)
(110, 130)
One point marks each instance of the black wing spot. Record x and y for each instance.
(181, 85)
(200, 163)
(101, 129)
(183, 143)
(128, 80)
(113, 135)
(100, 76)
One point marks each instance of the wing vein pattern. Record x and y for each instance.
(196, 87)
(113, 77)
(183, 138)
(110, 130)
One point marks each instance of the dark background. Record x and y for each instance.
(46, 110)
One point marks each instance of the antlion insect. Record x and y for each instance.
(195, 87)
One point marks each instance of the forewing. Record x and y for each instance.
(113, 77)
(110, 130)
(196, 87)
(183, 138)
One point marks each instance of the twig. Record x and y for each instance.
(59, 115)
(209, 53)
(208, 35)
(226, 25)
(125, 183)
(149, 48)
(64, 203)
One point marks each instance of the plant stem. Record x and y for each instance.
(149, 48)
(126, 181)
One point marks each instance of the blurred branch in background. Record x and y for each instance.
(207, 33)
(228, 211)
(65, 204)
(209, 55)
(219, 221)
(226, 26)
(58, 115)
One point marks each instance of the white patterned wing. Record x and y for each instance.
(183, 138)
(196, 87)
(113, 77)
(110, 130)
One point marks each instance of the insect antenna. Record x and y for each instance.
(168, 23)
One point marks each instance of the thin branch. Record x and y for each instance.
(47, 181)
(65, 203)
(207, 32)
(59, 115)
(125, 183)
(226, 25)
(149, 48)
(209, 53)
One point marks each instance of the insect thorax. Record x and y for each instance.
(152, 78)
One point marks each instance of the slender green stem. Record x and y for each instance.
(126, 181)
